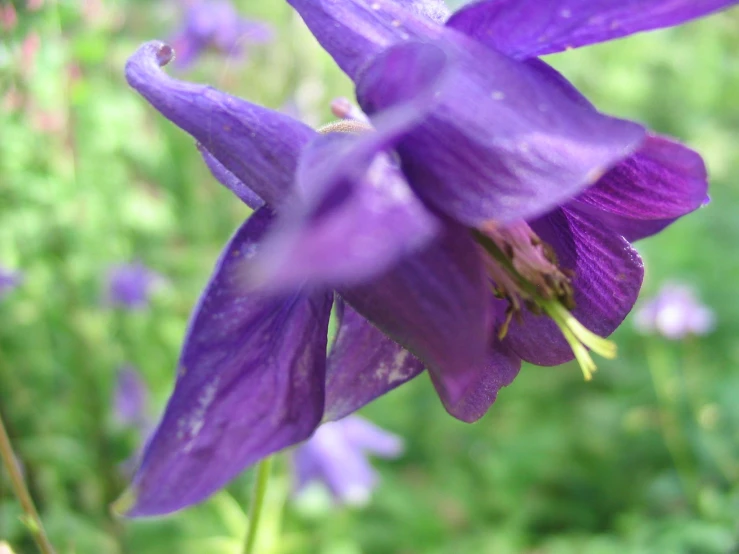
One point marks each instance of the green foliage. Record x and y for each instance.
(644, 459)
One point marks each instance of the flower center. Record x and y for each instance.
(524, 270)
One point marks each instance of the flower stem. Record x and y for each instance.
(677, 444)
(33, 521)
(257, 503)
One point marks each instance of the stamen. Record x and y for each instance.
(517, 283)
(578, 337)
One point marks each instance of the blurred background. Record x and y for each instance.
(110, 225)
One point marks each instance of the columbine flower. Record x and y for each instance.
(216, 24)
(675, 313)
(501, 235)
(337, 456)
(131, 285)
(9, 280)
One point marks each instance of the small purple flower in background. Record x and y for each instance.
(130, 286)
(9, 280)
(215, 24)
(337, 455)
(675, 313)
(131, 400)
(482, 218)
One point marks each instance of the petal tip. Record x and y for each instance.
(153, 51)
(123, 507)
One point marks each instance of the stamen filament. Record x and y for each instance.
(579, 338)
(596, 343)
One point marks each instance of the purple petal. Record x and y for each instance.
(608, 276)
(502, 141)
(363, 364)
(259, 146)
(432, 303)
(530, 28)
(368, 437)
(251, 382)
(331, 458)
(500, 369)
(663, 181)
(354, 31)
(230, 181)
(357, 216)
(435, 10)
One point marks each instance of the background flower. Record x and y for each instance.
(131, 285)
(9, 280)
(337, 455)
(675, 313)
(218, 25)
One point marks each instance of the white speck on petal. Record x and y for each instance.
(189, 426)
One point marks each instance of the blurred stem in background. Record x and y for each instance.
(257, 503)
(665, 379)
(32, 519)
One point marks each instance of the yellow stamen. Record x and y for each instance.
(578, 337)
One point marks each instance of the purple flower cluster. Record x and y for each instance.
(215, 24)
(337, 456)
(130, 286)
(483, 216)
(675, 313)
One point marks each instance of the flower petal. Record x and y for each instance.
(501, 367)
(645, 192)
(354, 31)
(363, 364)
(250, 382)
(355, 218)
(608, 276)
(642, 195)
(368, 437)
(229, 180)
(502, 142)
(259, 146)
(435, 10)
(430, 303)
(530, 28)
(332, 459)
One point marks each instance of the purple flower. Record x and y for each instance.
(130, 400)
(131, 285)
(675, 313)
(215, 24)
(9, 280)
(337, 456)
(481, 219)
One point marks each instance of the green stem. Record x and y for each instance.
(257, 503)
(675, 440)
(33, 521)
